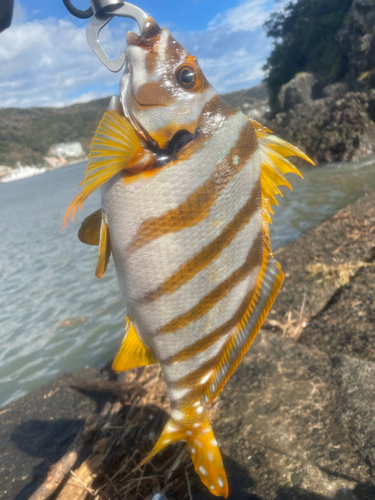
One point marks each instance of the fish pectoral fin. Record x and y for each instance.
(133, 352)
(268, 284)
(104, 248)
(115, 147)
(203, 449)
(89, 232)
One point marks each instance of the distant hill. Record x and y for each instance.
(26, 134)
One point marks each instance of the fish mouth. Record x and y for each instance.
(149, 35)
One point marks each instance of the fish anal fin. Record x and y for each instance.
(104, 249)
(268, 285)
(133, 352)
(202, 447)
(89, 232)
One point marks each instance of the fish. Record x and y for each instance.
(187, 187)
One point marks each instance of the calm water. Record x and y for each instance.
(55, 316)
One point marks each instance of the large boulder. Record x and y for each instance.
(335, 90)
(329, 130)
(302, 88)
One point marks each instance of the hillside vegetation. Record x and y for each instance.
(27, 134)
(305, 39)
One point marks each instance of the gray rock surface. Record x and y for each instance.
(327, 244)
(298, 90)
(335, 90)
(36, 431)
(327, 129)
(357, 42)
(289, 426)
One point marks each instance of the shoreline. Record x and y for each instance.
(310, 377)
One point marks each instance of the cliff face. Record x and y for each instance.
(357, 42)
(335, 121)
(336, 126)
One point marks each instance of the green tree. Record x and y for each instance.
(305, 40)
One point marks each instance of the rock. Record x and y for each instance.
(328, 243)
(357, 43)
(36, 430)
(300, 89)
(329, 130)
(335, 90)
(289, 426)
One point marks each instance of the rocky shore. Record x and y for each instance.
(331, 115)
(295, 421)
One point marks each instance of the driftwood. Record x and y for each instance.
(60, 469)
(79, 483)
(124, 392)
(81, 479)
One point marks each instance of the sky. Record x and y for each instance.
(45, 59)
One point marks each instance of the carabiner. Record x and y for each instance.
(104, 11)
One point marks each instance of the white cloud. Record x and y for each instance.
(49, 62)
(234, 47)
(248, 16)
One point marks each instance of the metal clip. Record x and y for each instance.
(104, 11)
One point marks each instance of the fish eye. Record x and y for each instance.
(187, 77)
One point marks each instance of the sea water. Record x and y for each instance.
(55, 316)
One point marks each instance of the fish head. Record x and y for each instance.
(163, 90)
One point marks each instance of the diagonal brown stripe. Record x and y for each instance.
(193, 378)
(253, 259)
(197, 206)
(207, 341)
(211, 251)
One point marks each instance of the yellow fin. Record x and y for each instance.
(203, 449)
(89, 232)
(115, 147)
(274, 164)
(268, 285)
(104, 249)
(132, 352)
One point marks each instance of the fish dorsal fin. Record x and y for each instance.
(132, 352)
(115, 146)
(274, 164)
(89, 232)
(104, 248)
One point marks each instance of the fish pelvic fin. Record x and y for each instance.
(115, 147)
(274, 153)
(133, 352)
(89, 232)
(202, 447)
(104, 251)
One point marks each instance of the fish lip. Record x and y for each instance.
(149, 35)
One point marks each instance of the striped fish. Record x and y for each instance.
(187, 184)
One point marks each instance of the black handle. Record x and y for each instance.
(6, 14)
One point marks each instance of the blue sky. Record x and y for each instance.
(46, 61)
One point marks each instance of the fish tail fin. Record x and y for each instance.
(203, 449)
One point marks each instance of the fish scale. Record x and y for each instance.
(187, 188)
